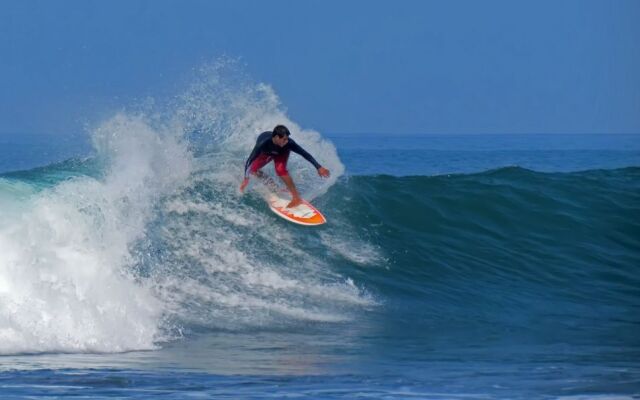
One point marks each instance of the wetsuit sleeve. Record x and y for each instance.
(257, 149)
(295, 147)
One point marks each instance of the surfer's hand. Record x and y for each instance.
(244, 184)
(323, 172)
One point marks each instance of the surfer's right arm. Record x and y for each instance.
(296, 148)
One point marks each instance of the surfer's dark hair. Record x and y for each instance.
(281, 131)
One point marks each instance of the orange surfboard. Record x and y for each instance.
(303, 214)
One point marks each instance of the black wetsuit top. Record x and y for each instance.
(265, 145)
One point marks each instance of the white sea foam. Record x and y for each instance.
(63, 279)
(233, 267)
(352, 249)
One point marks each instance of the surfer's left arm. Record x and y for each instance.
(295, 147)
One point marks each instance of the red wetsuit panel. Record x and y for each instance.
(279, 161)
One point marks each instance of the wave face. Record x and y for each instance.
(545, 256)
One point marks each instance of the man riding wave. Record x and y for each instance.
(276, 145)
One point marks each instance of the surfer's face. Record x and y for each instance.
(280, 140)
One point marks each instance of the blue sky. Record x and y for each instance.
(338, 66)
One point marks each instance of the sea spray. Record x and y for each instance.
(222, 112)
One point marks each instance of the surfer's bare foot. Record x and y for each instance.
(296, 201)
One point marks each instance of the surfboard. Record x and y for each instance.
(303, 214)
(276, 198)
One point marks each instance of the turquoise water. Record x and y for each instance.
(475, 267)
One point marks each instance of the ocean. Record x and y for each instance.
(451, 267)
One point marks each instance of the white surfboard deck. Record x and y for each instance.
(303, 214)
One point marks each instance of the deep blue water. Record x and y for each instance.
(452, 267)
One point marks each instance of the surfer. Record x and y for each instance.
(275, 145)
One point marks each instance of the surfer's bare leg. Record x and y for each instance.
(244, 184)
(266, 180)
(296, 200)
